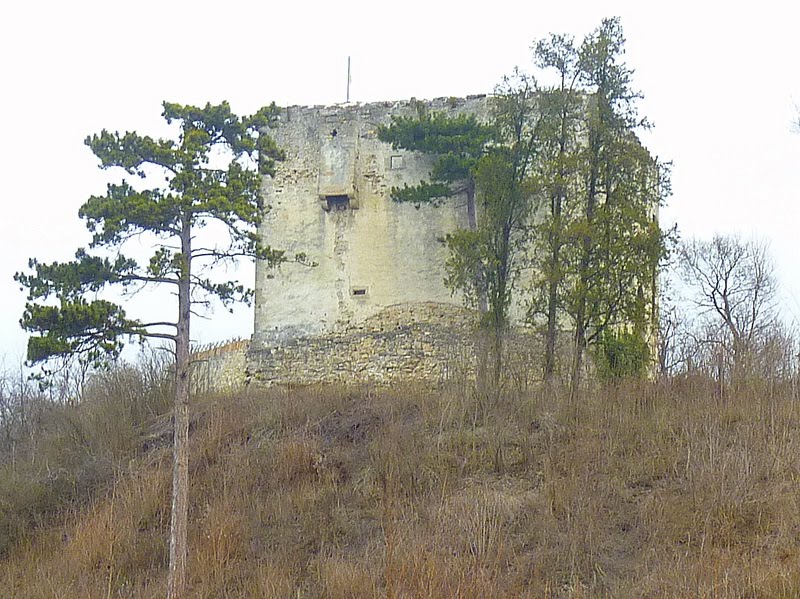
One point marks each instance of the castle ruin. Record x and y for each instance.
(361, 296)
(368, 299)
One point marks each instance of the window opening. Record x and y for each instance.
(338, 202)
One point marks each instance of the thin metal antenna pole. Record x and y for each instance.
(348, 79)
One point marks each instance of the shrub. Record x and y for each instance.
(622, 355)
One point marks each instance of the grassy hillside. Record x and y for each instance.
(641, 490)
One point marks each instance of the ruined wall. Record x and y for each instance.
(427, 341)
(220, 367)
(330, 201)
(422, 341)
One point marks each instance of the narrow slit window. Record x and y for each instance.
(359, 292)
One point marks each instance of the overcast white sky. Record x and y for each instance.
(721, 84)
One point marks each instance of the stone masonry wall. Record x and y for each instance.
(429, 342)
(220, 367)
(425, 341)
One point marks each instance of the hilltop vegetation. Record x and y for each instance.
(639, 489)
(604, 485)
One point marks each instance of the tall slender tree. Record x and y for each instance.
(561, 106)
(457, 144)
(618, 241)
(487, 260)
(212, 173)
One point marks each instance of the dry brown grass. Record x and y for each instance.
(639, 490)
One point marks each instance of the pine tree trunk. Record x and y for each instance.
(497, 351)
(482, 348)
(178, 549)
(472, 223)
(552, 295)
(555, 240)
(583, 270)
(577, 362)
(550, 341)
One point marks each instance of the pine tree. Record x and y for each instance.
(212, 173)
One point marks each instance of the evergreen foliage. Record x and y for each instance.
(212, 173)
(456, 142)
(489, 163)
(196, 192)
(619, 243)
(622, 355)
(557, 183)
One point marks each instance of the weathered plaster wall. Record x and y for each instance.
(370, 252)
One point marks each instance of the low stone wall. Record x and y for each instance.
(430, 342)
(220, 367)
(427, 341)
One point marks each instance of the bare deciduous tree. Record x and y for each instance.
(733, 284)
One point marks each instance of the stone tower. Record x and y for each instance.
(330, 201)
